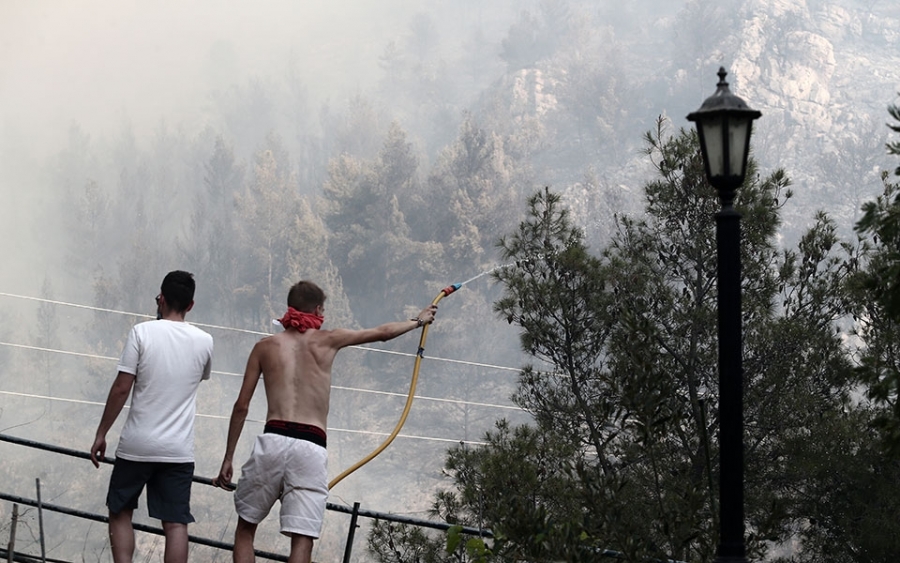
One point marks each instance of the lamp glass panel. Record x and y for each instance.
(714, 142)
(738, 134)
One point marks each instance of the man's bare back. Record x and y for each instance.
(297, 376)
(296, 369)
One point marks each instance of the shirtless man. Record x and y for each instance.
(289, 461)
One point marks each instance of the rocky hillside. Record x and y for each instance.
(822, 74)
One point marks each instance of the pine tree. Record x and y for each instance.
(623, 451)
(877, 292)
(364, 207)
(265, 220)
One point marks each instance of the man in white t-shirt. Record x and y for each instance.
(163, 361)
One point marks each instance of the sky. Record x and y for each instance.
(104, 63)
(98, 61)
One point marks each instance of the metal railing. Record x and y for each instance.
(355, 511)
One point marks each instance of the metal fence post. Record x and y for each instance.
(353, 519)
(11, 547)
(40, 508)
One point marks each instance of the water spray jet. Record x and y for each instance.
(419, 355)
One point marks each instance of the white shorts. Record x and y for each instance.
(292, 470)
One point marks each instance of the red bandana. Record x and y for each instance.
(300, 320)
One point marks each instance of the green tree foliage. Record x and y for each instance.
(849, 168)
(88, 218)
(135, 223)
(215, 258)
(623, 454)
(877, 292)
(46, 370)
(247, 112)
(308, 259)
(584, 89)
(535, 36)
(404, 544)
(365, 207)
(894, 146)
(265, 221)
(358, 132)
(848, 499)
(474, 193)
(393, 68)
(84, 205)
(479, 184)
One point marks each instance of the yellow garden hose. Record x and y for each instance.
(409, 398)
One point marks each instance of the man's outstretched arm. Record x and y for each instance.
(386, 331)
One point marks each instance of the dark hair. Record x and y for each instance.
(305, 296)
(178, 289)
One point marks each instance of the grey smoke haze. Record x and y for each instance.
(105, 65)
(115, 75)
(133, 78)
(96, 62)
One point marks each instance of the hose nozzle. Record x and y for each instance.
(446, 291)
(451, 288)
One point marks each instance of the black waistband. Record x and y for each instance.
(297, 430)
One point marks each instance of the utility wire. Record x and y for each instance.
(226, 328)
(221, 417)
(116, 311)
(232, 374)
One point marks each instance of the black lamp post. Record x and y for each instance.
(723, 124)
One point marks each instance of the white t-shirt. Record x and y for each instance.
(168, 360)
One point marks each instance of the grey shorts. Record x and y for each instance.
(168, 489)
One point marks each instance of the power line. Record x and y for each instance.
(438, 359)
(221, 417)
(144, 316)
(56, 351)
(435, 399)
(116, 311)
(232, 374)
